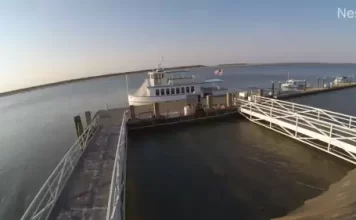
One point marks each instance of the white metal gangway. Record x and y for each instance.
(332, 132)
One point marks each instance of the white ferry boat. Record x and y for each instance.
(293, 84)
(340, 79)
(162, 86)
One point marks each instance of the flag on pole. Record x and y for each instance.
(218, 72)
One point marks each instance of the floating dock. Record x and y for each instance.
(89, 182)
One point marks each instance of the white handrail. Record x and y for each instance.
(44, 201)
(328, 134)
(116, 202)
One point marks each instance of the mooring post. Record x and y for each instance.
(208, 101)
(279, 87)
(228, 99)
(78, 125)
(317, 82)
(260, 92)
(305, 85)
(88, 117)
(132, 111)
(323, 81)
(272, 89)
(156, 109)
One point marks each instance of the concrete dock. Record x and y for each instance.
(85, 195)
(314, 91)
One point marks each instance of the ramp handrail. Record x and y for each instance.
(116, 202)
(344, 120)
(304, 124)
(44, 201)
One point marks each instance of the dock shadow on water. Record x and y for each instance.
(230, 170)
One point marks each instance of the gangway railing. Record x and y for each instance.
(44, 201)
(116, 202)
(325, 130)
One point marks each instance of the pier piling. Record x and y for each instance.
(260, 92)
(272, 88)
(228, 99)
(88, 117)
(156, 109)
(208, 101)
(78, 125)
(132, 111)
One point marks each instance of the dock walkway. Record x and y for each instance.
(85, 195)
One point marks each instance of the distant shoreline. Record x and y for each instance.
(146, 70)
(88, 78)
(281, 64)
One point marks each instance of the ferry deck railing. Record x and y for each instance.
(325, 130)
(41, 206)
(116, 202)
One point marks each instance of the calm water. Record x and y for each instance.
(37, 129)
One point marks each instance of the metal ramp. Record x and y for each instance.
(331, 132)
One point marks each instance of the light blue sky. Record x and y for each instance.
(45, 41)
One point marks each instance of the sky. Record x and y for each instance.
(43, 41)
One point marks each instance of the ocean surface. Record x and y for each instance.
(251, 164)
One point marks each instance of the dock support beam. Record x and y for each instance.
(228, 99)
(88, 117)
(78, 125)
(208, 101)
(156, 109)
(132, 111)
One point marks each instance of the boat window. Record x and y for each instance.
(162, 75)
(157, 91)
(192, 89)
(177, 90)
(187, 89)
(167, 91)
(182, 90)
(162, 91)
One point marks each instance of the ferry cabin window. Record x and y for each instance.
(167, 91)
(177, 90)
(187, 89)
(172, 91)
(192, 89)
(157, 92)
(162, 91)
(182, 90)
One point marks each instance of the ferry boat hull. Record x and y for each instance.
(146, 100)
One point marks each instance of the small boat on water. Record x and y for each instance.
(294, 84)
(162, 86)
(340, 79)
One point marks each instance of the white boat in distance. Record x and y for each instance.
(294, 84)
(162, 86)
(341, 79)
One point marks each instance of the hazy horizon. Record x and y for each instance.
(50, 41)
